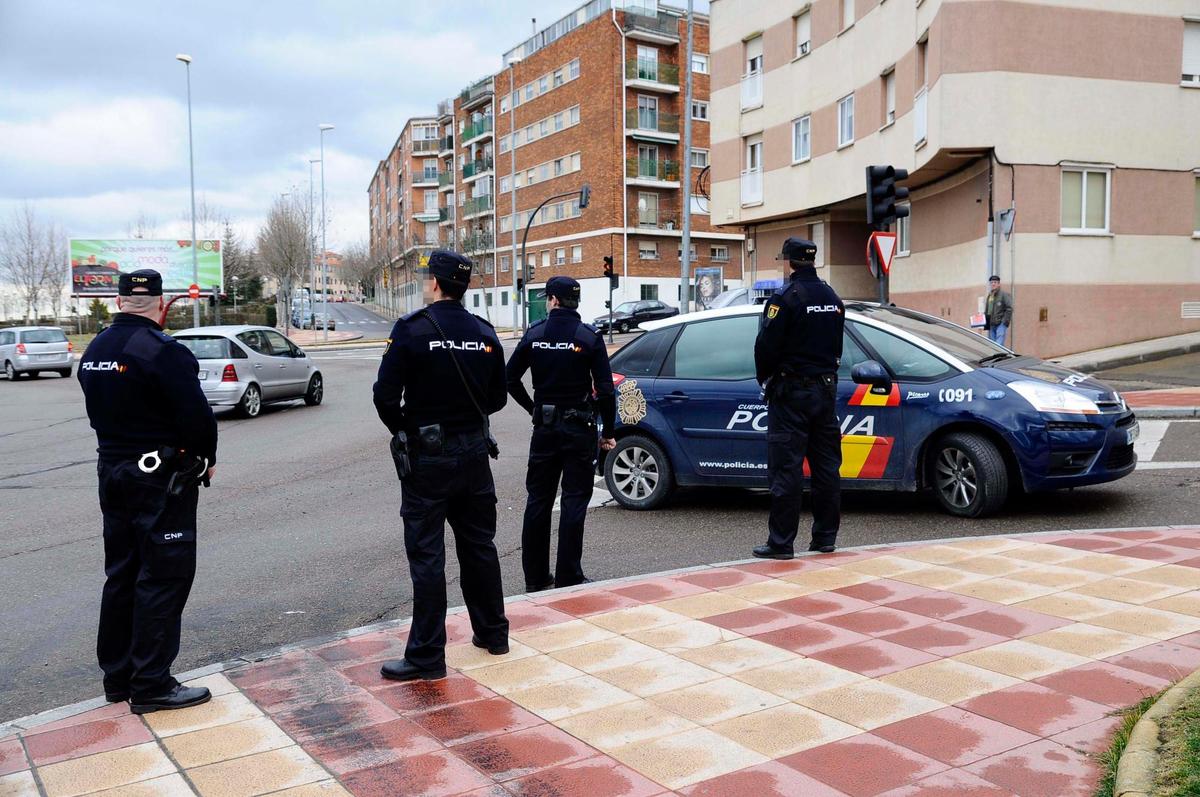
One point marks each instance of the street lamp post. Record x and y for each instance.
(324, 259)
(187, 65)
(585, 195)
(234, 279)
(312, 277)
(512, 180)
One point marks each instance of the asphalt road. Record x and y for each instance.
(354, 317)
(300, 532)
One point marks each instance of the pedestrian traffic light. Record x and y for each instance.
(883, 194)
(613, 279)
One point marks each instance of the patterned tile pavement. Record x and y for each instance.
(988, 666)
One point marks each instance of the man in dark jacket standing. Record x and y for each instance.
(999, 311)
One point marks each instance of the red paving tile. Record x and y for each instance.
(372, 746)
(1190, 562)
(1138, 534)
(525, 616)
(323, 720)
(428, 695)
(467, 722)
(954, 736)
(942, 606)
(1190, 640)
(290, 665)
(820, 605)
(756, 620)
(1182, 541)
(111, 711)
(316, 687)
(842, 557)
(1099, 544)
(1008, 621)
(586, 603)
(1036, 709)
(878, 620)
(92, 737)
(781, 567)
(659, 589)
(944, 639)
(1158, 553)
(1169, 660)
(12, 757)
(1041, 769)
(432, 775)
(873, 657)
(863, 765)
(515, 755)
(1093, 738)
(808, 638)
(369, 647)
(458, 629)
(884, 590)
(771, 779)
(951, 783)
(721, 577)
(1102, 682)
(592, 776)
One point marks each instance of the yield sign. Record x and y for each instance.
(885, 248)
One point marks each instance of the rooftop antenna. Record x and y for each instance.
(534, 22)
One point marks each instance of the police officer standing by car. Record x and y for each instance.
(570, 366)
(157, 440)
(441, 376)
(796, 359)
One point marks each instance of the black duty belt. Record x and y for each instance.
(550, 414)
(804, 380)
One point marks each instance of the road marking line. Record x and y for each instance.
(1150, 437)
(1168, 465)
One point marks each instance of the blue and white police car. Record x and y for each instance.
(924, 405)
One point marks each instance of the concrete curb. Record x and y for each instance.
(1101, 361)
(1166, 413)
(1139, 761)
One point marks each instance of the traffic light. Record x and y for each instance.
(531, 268)
(608, 304)
(613, 280)
(883, 194)
(212, 300)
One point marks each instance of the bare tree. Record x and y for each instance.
(57, 268)
(23, 264)
(283, 247)
(144, 226)
(358, 268)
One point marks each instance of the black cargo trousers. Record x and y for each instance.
(802, 423)
(455, 485)
(149, 562)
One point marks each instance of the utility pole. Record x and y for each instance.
(312, 277)
(187, 65)
(324, 259)
(512, 180)
(685, 168)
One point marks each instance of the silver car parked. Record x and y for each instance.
(26, 351)
(246, 366)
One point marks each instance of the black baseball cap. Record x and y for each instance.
(799, 250)
(994, 278)
(143, 282)
(563, 288)
(450, 266)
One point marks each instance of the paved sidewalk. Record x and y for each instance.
(989, 666)
(1183, 402)
(1130, 353)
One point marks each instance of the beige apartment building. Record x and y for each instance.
(595, 98)
(1053, 142)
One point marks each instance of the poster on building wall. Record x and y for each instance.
(709, 284)
(97, 263)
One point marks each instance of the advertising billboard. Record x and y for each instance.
(709, 284)
(97, 263)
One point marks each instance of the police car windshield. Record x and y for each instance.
(961, 343)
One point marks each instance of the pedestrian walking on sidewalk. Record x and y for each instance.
(796, 358)
(998, 314)
(157, 441)
(441, 376)
(572, 381)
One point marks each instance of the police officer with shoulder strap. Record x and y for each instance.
(570, 365)
(441, 376)
(157, 440)
(796, 358)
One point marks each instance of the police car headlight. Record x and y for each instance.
(1051, 398)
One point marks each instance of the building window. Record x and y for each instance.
(504, 298)
(922, 69)
(647, 112)
(847, 13)
(647, 205)
(691, 251)
(577, 254)
(560, 257)
(1191, 53)
(573, 69)
(431, 200)
(1196, 220)
(903, 227)
(700, 110)
(648, 250)
(649, 293)
(700, 63)
(546, 258)
(802, 139)
(752, 90)
(1085, 200)
(699, 158)
(719, 253)
(505, 184)
(475, 300)
(889, 98)
(803, 34)
(846, 121)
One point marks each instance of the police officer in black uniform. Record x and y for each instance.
(796, 359)
(157, 439)
(442, 374)
(570, 365)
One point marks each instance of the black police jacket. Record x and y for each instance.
(801, 331)
(569, 362)
(418, 384)
(141, 390)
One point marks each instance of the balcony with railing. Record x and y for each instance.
(651, 24)
(425, 178)
(425, 145)
(752, 187)
(478, 128)
(477, 168)
(446, 144)
(478, 242)
(921, 117)
(752, 93)
(445, 214)
(653, 218)
(659, 172)
(445, 180)
(651, 74)
(476, 94)
(651, 123)
(476, 205)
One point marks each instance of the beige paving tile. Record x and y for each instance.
(1128, 590)
(216, 683)
(260, 773)
(636, 618)
(655, 676)
(1173, 575)
(828, 578)
(989, 545)
(770, 591)
(1022, 660)
(1044, 554)
(1071, 605)
(1089, 640)
(1148, 622)
(949, 681)
(563, 635)
(884, 566)
(325, 788)
(795, 677)
(740, 654)
(469, 657)
(784, 730)
(935, 554)
(524, 674)
(938, 577)
(226, 741)
(990, 565)
(868, 704)
(614, 652)
(715, 701)
(623, 724)
(553, 702)
(166, 786)
(1185, 603)
(1001, 590)
(705, 604)
(221, 710)
(1058, 577)
(18, 784)
(105, 770)
(684, 636)
(686, 758)
(1108, 564)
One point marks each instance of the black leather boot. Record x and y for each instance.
(767, 552)
(495, 650)
(179, 697)
(403, 671)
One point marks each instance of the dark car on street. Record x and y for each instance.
(628, 315)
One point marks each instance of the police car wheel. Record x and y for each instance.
(315, 392)
(638, 473)
(968, 475)
(251, 404)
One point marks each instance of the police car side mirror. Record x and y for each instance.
(870, 372)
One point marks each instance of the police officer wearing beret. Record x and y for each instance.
(796, 358)
(157, 439)
(569, 362)
(442, 374)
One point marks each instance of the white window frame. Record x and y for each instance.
(700, 60)
(843, 140)
(1196, 208)
(560, 256)
(719, 253)
(904, 232)
(847, 15)
(803, 46)
(889, 99)
(577, 253)
(702, 106)
(647, 250)
(1085, 170)
(797, 155)
(1190, 68)
(504, 261)
(703, 153)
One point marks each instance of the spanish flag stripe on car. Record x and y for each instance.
(863, 397)
(863, 456)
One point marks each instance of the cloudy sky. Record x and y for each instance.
(93, 116)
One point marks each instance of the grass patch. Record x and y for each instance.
(1178, 772)
(1111, 757)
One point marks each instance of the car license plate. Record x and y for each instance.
(1131, 434)
(47, 357)
(202, 374)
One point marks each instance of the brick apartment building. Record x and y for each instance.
(595, 98)
(1081, 116)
